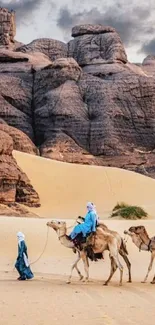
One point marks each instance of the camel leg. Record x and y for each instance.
(126, 260)
(78, 271)
(86, 265)
(114, 253)
(112, 271)
(153, 281)
(150, 266)
(75, 266)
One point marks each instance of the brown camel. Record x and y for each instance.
(103, 240)
(122, 249)
(142, 240)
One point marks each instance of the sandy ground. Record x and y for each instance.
(65, 188)
(47, 299)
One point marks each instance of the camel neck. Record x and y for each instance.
(64, 239)
(139, 243)
(145, 238)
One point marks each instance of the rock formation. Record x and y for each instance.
(96, 44)
(21, 141)
(80, 102)
(53, 49)
(14, 184)
(7, 26)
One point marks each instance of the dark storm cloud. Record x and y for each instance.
(133, 23)
(23, 8)
(149, 47)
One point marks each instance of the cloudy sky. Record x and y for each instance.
(134, 20)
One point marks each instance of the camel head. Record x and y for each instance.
(57, 225)
(135, 230)
(130, 231)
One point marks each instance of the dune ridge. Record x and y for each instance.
(65, 188)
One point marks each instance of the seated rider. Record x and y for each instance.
(88, 225)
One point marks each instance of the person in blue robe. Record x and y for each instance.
(89, 224)
(22, 263)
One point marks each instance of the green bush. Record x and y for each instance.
(120, 206)
(128, 211)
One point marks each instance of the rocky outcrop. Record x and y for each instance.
(80, 102)
(96, 44)
(9, 56)
(53, 49)
(87, 29)
(57, 100)
(60, 146)
(148, 65)
(7, 26)
(105, 116)
(16, 88)
(14, 184)
(16, 83)
(21, 141)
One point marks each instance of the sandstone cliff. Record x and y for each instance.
(14, 184)
(80, 102)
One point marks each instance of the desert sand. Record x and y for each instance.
(64, 190)
(47, 299)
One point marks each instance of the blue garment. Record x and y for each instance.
(24, 271)
(87, 226)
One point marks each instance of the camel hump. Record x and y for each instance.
(123, 246)
(102, 224)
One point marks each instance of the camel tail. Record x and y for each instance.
(123, 247)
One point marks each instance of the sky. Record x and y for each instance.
(134, 20)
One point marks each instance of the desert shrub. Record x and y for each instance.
(120, 206)
(128, 211)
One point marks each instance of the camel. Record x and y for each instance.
(104, 239)
(61, 230)
(142, 240)
(122, 249)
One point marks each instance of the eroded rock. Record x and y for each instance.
(82, 102)
(96, 44)
(52, 48)
(14, 184)
(21, 141)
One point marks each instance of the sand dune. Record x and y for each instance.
(65, 188)
(49, 300)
